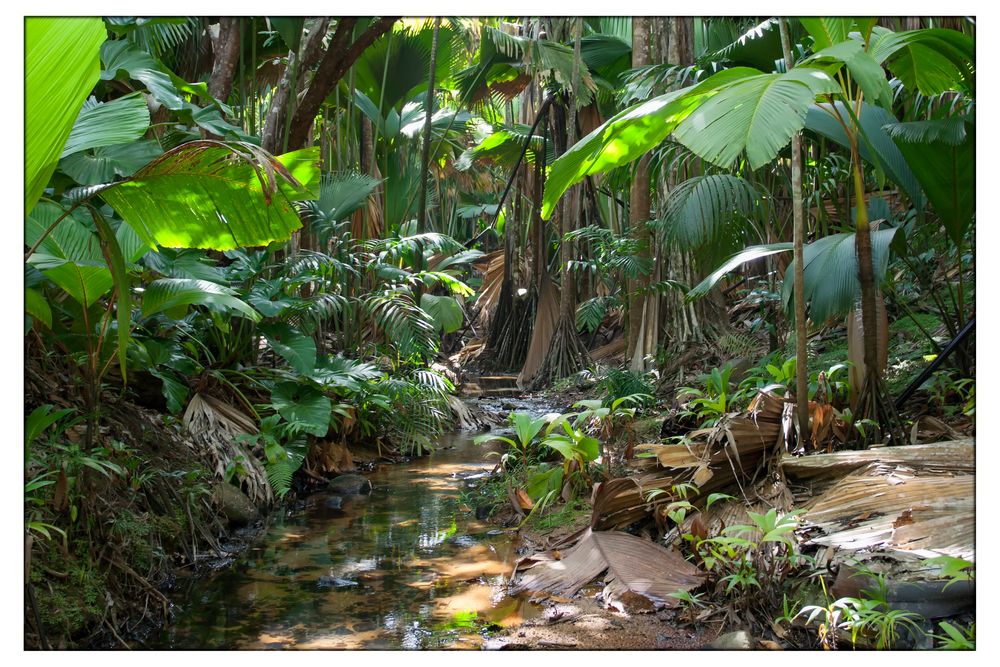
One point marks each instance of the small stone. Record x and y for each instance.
(732, 641)
(234, 505)
(350, 484)
(326, 583)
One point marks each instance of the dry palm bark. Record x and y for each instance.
(726, 457)
(917, 499)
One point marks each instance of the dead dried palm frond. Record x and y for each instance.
(633, 565)
(213, 426)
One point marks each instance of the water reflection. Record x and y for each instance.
(404, 568)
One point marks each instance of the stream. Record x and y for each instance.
(407, 567)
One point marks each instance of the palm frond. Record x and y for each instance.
(708, 211)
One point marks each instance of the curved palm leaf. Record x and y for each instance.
(758, 115)
(746, 255)
(629, 134)
(36, 306)
(704, 211)
(61, 67)
(930, 61)
(169, 293)
(211, 194)
(124, 60)
(832, 287)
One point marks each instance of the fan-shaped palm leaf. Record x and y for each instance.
(705, 210)
(170, 293)
(758, 115)
(629, 134)
(832, 287)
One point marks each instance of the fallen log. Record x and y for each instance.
(957, 456)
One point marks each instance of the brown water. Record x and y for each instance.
(408, 567)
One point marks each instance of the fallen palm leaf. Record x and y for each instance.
(633, 565)
(214, 425)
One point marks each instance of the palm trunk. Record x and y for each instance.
(566, 353)
(873, 403)
(425, 153)
(639, 201)
(798, 236)
(227, 57)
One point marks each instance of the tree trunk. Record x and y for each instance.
(566, 353)
(337, 59)
(272, 137)
(799, 289)
(227, 57)
(425, 152)
(874, 403)
(639, 199)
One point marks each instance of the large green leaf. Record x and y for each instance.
(210, 194)
(444, 310)
(294, 347)
(832, 287)
(830, 30)
(120, 121)
(759, 47)
(107, 163)
(864, 70)
(36, 306)
(60, 69)
(876, 147)
(942, 154)
(168, 293)
(629, 134)
(758, 115)
(124, 60)
(70, 255)
(290, 29)
(302, 405)
(930, 61)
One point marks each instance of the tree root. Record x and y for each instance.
(567, 355)
(877, 413)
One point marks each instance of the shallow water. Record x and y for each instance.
(407, 567)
